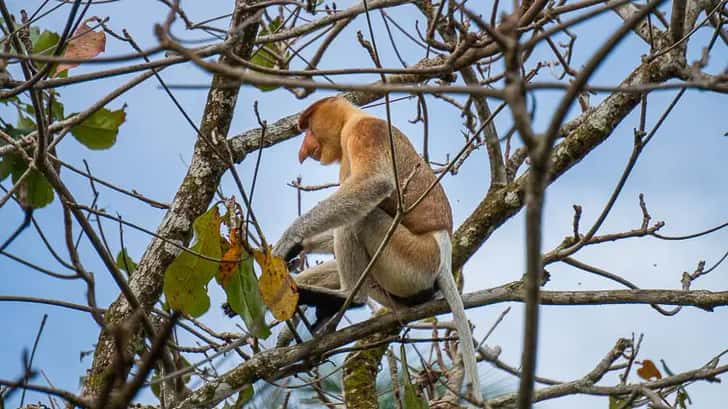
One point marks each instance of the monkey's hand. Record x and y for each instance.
(290, 245)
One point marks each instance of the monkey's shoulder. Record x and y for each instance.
(366, 129)
(370, 131)
(365, 140)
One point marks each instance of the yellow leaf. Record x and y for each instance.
(276, 285)
(648, 370)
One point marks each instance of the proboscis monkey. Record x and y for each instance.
(354, 220)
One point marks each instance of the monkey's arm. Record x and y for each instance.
(320, 244)
(369, 182)
(357, 196)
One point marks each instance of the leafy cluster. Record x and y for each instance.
(97, 131)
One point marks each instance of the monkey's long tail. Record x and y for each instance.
(447, 285)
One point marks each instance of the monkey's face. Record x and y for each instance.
(324, 149)
(310, 147)
(322, 122)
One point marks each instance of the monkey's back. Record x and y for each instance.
(434, 212)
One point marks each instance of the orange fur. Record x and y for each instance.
(419, 255)
(360, 142)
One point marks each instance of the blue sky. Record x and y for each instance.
(681, 173)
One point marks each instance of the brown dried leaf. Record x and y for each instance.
(85, 43)
(231, 258)
(648, 370)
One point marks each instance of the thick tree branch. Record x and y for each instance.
(595, 126)
(280, 362)
(192, 199)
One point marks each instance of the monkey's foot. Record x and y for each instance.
(327, 318)
(328, 303)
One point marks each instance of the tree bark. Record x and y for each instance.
(192, 199)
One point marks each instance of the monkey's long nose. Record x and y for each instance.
(309, 146)
(302, 154)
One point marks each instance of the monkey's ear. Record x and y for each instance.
(303, 119)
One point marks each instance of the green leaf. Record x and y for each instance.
(244, 396)
(616, 403)
(183, 363)
(186, 279)
(681, 398)
(8, 164)
(265, 59)
(124, 262)
(35, 191)
(14, 132)
(244, 297)
(10, 100)
(57, 110)
(45, 42)
(25, 124)
(264, 56)
(6, 167)
(274, 26)
(34, 34)
(100, 129)
(155, 386)
(411, 399)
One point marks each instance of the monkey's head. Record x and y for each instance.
(322, 123)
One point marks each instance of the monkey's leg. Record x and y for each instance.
(311, 283)
(320, 275)
(408, 266)
(351, 259)
(322, 243)
(318, 287)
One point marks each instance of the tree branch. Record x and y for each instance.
(280, 362)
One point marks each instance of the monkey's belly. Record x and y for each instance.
(403, 277)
